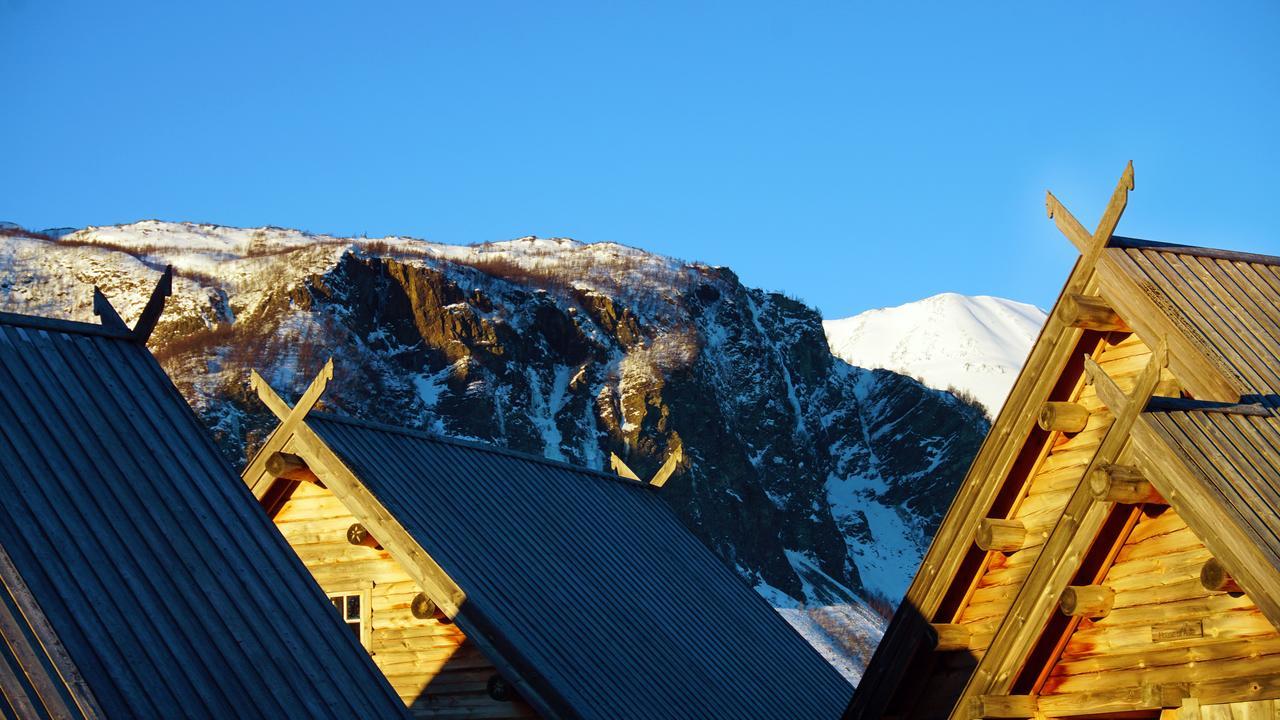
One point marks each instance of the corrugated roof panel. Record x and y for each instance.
(169, 588)
(591, 580)
(1230, 301)
(1237, 458)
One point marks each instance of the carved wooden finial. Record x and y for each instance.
(155, 306)
(673, 461)
(106, 312)
(659, 478)
(621, 468)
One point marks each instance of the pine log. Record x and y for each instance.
(950, 636)
(358, 535)
(1000, 535)
(1004, 706)
(1213, 576)
(1091, 601)
(1065, 417)
(424, 608)
(290, 467)
(1091, 313)
(1123, 484)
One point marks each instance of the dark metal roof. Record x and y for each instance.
(598, 596)
(145, 556)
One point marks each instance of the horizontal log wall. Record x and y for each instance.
(431, 665)
(1165, 627)
(1051, 483)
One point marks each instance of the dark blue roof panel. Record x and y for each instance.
(166, 584)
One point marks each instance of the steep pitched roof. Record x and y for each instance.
(1219, 314)
(1226, 303)
(583, 588)
(139, 578)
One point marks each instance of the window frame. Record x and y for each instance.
(363, 591)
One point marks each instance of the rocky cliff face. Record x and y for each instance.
(817, 480)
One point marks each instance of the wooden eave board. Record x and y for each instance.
(33, 677)
(1219, 314)
(165, 594)
(1045, 494)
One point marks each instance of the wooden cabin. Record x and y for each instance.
(491, 584)
(138, 578)
(1115, 548)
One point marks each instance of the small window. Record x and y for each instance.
(353, 608)
(348, 607)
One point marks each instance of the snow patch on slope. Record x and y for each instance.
(972, 343)
(846, 635)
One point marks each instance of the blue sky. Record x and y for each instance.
(853, 154)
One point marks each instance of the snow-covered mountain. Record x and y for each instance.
(819, 481)
(974, 344)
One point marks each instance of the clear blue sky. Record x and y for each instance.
(854, 154)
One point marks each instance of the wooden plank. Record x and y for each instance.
(1219, 324)
(1147, 697)
(50, 644)
(1005, 706)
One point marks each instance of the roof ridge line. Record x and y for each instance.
(470, 444)
(1131, 243)
(62, 325)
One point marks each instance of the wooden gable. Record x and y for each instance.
(429, 661)
(405, 603)
(1068, 495)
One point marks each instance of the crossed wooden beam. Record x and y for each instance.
(1091, 246)
(659, 478)
(288, 416)
(142, 329)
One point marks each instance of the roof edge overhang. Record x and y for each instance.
(1170, 471)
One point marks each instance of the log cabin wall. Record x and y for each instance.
(1164, 626)
(436, 671)
(1254, 710)
(1040, 502)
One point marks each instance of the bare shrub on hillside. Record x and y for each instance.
(667, 353)
(880, 603)
(24, 233)
(200, 341)
(969, 399)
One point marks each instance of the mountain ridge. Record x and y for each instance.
(974, 345)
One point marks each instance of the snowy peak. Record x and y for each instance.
(975, 344)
